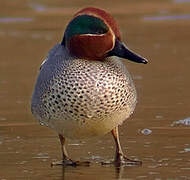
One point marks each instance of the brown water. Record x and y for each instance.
(158, 30)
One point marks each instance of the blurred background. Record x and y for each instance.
(157, 133)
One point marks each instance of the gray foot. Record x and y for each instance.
(123, 161)
(69, 162)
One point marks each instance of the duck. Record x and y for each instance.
(83, 89)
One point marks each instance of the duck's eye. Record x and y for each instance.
(85, 24)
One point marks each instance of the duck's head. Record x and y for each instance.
(94, 35)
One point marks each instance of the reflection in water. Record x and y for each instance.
(63, 173)
(116, 173)
(119, 172)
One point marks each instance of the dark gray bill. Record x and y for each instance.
(121, 50)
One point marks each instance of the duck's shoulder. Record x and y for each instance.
(58, 51)
(58, 54)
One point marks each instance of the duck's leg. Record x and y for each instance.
(66, 161)
(120, 158)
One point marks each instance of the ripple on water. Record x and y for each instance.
(37, 7)
(22, 162)
(158, 116)
(137, 77)
(146, 131)
(33, 35)
(147, 144)
(181, 1)
(75, 144)
(185, 168)
(15, 19)
(163, 160)
(178, 159)
(3, 119)
(187, 149)
(185, 122)
(153, 173)
(142, 177)
(172, 17)
(149, 159)
(170, 147)
(41, 156)
(96, 158)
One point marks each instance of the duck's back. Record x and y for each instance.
(82, 98)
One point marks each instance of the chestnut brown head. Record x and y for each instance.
(93, 34)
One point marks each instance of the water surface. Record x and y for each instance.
(27, 149)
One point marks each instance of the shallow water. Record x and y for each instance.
(28, 29)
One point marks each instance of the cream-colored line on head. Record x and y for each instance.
(113, 39)
(92, 34)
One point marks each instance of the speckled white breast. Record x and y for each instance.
(80, 98)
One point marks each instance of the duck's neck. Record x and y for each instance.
(63, 41)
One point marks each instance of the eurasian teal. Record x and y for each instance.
(83, 89)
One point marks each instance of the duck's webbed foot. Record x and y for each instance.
(69, 162)
(120, 158)
(123, 161)
(66, 160)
